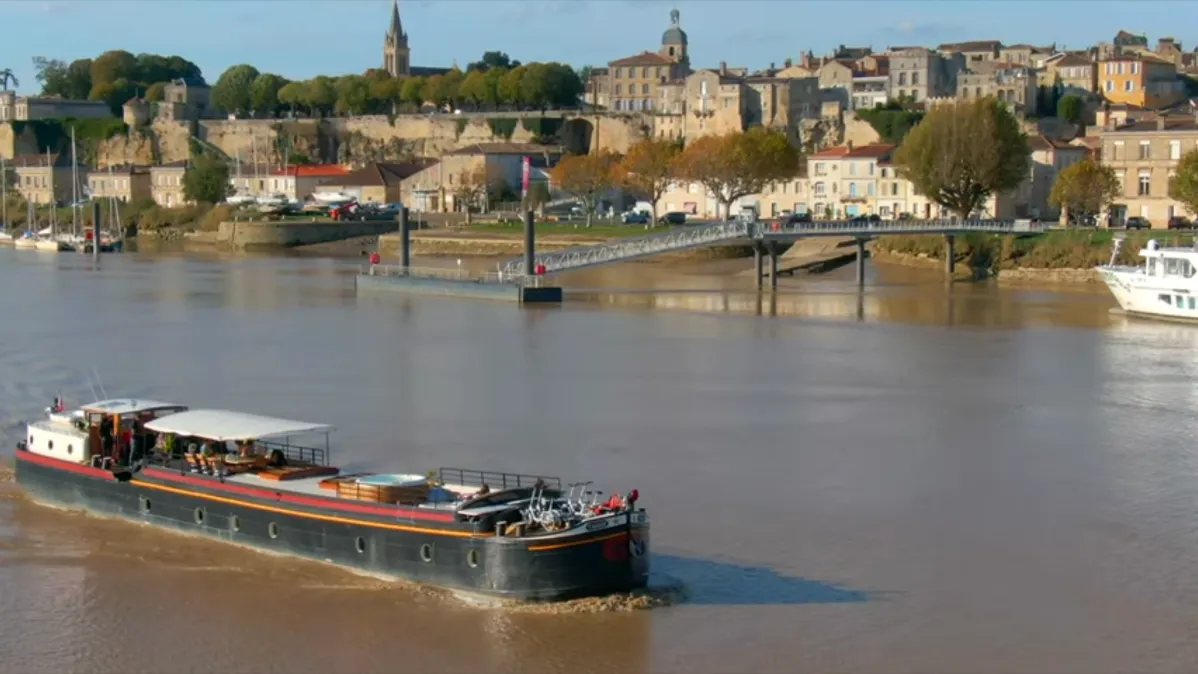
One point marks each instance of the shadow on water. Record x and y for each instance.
(714, 583)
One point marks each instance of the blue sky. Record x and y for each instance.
(302, 38)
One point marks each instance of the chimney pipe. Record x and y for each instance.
(723, 68)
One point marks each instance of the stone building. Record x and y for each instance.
(1144, 155)
(126, 183)
(633, 83)
(166, 184)
(45, 179)
(186, 99)
(15, 108)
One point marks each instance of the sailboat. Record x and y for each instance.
(239, 198)
(47, 239)
(28, 240)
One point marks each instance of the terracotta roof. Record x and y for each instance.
(876, 151)
(38, 160)
(506, 148)
(1141, 58)
(1171, 124)
(977, 45)
(1125, 35)
(381, 174)
(1069, 60)
(312, 171)
(1041, 143)
(646, 58)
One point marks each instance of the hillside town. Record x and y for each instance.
(1124, 103)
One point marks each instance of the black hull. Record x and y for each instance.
(445, 554)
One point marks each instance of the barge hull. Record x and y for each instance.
(518, 568)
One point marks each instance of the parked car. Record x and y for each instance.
(1083, 220)
(1137, 222)
(1179, 222)
(636, 218)
(672, 218)
(797, 218)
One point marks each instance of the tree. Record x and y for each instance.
(231, 92)
(353, 95)
(586, 177)
(1084, 188)
(114, 65)
(436, 90)
(1184, 185)
(115, 94)
(52, 75)
(963, 152)
(321, 94)
(470, 191)
(293, 95)
(156, 92)
(412, 91)
(1070, 108)
(648, 168)
(508, 86)
(264, 93)
(473, 88)
(207, 181)
(77, 80)
(491, 60)
(735, 165)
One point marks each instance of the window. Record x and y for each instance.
(1119, 68)
(870, 166)
(819, 169)
(1175, 149)
(1165, 299)
(852, 168)
(1145, 182)
(852, 189)
(869, 189)
(894, 189)
(819, 189)
(619, 89)
(644, 89)
(1128, 85)
(644, 72)
(1145, 150)
(902, 79)
(1135, 69)
(619, 72)
(1109, 84)
(914, 79)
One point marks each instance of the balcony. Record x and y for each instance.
(853, 199)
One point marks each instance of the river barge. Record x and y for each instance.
(239, 478)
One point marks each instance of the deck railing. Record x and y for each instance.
(495, 480)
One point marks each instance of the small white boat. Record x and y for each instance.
(241, 200)
(5, 238)
(27, 241)
(1164, 287)
(52, 246)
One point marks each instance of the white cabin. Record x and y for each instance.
(69, 435)
(1165, 286)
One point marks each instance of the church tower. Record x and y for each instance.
(396, 56)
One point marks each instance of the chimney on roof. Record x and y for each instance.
(849, 145)
(772, 68)
(1160, 123)
(724, 68)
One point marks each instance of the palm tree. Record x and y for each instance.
(7, 75)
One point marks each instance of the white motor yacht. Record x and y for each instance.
(1164, 287)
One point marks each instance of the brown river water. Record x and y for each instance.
(923, 479)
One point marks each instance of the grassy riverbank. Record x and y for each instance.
(988, 254)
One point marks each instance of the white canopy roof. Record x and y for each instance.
(128, 406)
(223, 425)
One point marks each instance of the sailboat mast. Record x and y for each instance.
(74, 186)
(53, 200)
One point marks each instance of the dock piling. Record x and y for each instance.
(405, 239)
(949, 255)
(773, 265)
(860, 263)
(758, 265)
(530, 244)
(95, 229)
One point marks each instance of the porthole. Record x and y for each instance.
(145, 504)
(426, 552)
(70, 449)
(50, 444)
(472, 558)
(273, 530)
(235, 522)
(360, 544)
(198, 514)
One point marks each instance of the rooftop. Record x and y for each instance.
(311, 170)
(875, 151)
(646, 58)
(379, 174)
(506, 148)
(976, 45)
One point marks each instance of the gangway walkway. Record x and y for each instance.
(697, 236)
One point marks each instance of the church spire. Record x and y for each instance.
(396, 28)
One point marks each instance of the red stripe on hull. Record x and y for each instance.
(329, 503)
(69, 466)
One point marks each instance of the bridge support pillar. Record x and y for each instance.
(860, 263)
(405, 240)
(949, 255)
(530, 245)
(773, 248)
(758, 266)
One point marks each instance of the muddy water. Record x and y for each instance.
(964, 480)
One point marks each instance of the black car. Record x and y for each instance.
(672, 218)
(1136, 222)
(636, 218)
(1179, 222)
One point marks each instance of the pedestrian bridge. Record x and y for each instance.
(698, 236)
